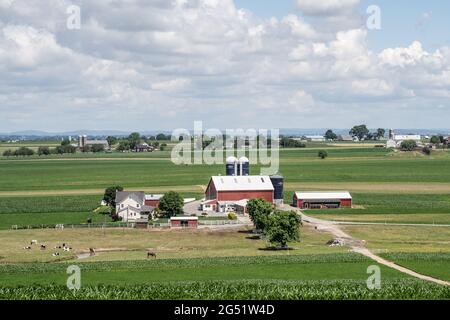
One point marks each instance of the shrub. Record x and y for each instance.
(322, 154)
(232, 216)
(408, 145)
(426, 151)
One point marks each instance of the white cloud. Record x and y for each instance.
(326, 7)
(202, 59)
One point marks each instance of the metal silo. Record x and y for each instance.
(278, 193)
(231, 166)
(243, 166)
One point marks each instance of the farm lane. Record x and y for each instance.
(359, 247)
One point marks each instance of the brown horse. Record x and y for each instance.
(151, 254)
(91, 252)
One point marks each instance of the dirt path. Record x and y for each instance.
(359, 246)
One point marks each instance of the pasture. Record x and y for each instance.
(387, 188)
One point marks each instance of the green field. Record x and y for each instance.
(337, 276)
(204, 264)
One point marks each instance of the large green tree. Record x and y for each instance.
(171, 204)
(380, 133)
(330, 135)
(283, 227)
(360, 131)
(259, 211)
(111, 140)
(134, 139)
(110, 195)
(408, 145)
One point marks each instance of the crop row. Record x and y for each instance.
(242, 290)
(184, 263)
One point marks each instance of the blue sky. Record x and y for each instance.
(159, 65)
(403, 21)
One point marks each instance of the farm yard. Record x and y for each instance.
(387, 189)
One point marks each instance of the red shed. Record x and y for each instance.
(184, 222)
(235, 188)
(322, 200)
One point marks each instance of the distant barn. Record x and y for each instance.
(322, 200)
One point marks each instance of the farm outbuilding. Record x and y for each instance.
(153, 200)
(184, 222)
(322, 200)
(223, 190)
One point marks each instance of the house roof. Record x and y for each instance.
(321, 195)
(241, 183)
(137, 196)
(153, 196)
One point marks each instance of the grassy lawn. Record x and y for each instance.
(432, 264)
(390, 239)
(126, 244)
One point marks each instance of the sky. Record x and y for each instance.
(140, 65)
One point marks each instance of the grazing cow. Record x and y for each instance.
(151, 254)
(43, 247)
(27, 248)
(91, 252)
(33, 242)
(56, 254)
(66, 249)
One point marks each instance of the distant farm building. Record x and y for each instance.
(143, 147)
(395, 140)
(131, 207)
(314, 138)
(184, 222)
(322, 200)
(153, 200)
(84, 142)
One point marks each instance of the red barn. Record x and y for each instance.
(184, 222)
(322, 200)
(227, 189)
(152, 200)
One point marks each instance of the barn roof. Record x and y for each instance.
(242, 183)
(321, 195)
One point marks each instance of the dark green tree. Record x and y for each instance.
(111, 140)
(97, 148)
(134, 139)
(360, 131)
(380, 133)
(8, 153)
(322, 154)
(330, 135)
(259, 211)
(43, 151)
(283, 227)
(408, 145)
(65, 142)
(435, 140)
(171, 204)
(110, 195)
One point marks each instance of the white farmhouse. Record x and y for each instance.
(130, 206)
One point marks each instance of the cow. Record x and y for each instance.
(56, 254)
(43, 247)
(33, 242)
(151, 254)
(91, 252)
(27, 248)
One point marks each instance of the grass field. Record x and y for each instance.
(387, 187)
(120, 244)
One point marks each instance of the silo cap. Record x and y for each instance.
(231, 159)
(243, 159)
